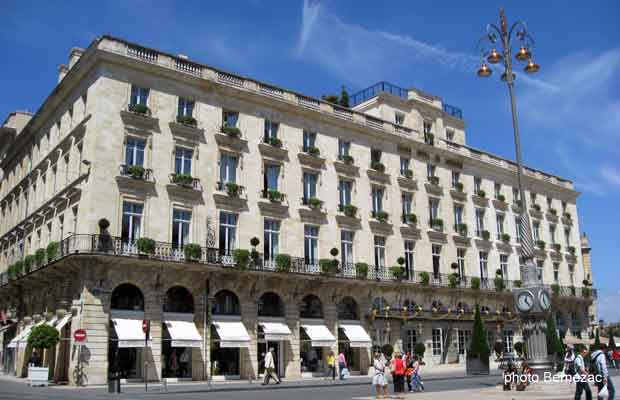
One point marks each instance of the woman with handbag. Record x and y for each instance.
(378, 379)
(398, 375)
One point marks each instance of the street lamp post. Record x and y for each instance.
(532, 301)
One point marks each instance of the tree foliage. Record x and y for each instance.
(43, 337)
(554, 344)
(479, 346)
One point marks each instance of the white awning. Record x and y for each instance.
(129, 332)
(183, 334)
(358, 337)
(64, 321)
(232, 334)
(319, 335)
(276, 331)
(18, 338)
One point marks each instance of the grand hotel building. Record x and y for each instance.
(152, 187)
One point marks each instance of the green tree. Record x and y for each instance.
(555, 348)
(478, 347)
(43, 337)
(344, 97)
(597, 342)
(612, 342)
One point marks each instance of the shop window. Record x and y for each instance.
(226, 303)
(347, 309)
(179, 300)
(127, 297)
(311, 307)
(270, 305)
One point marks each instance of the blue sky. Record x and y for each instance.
(569, 112)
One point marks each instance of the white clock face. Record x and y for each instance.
(525, 301)
(545, 301)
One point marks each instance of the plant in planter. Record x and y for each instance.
(408, 174)
(283, 263)
(18, 266)
(453, 280)
(381, 216)
(425, 278)
(499, 284)
(555, 288)
(350, 210)
(254, 253)
(437, 224)
(51, 251)
(334, 252)
(233, 189)
(231, 131)
(568, 216)
(411, 219)
(458, 186)
(553, 211)
(481, 193)
(192, 252)
(433, 180)
(315, 203)
(183, 179)
(501, 197)
(505, 237)
(555, 347)
(103, 224)
(39, 257)
(254, 241)
(146, 245)
(586, 292)
(519, 347)
(486, 235)
(572, 250)
(275, 142)
(361, 270)
(397, 271)
(557, 247)
(475, 283)
(187, 120)
(274, 195)
(28, 262)
(429, 138)
(377, 166)
(347, 159)
(518, 283)
(536, 207)
(573, 291)
(241, 257)
(461, 229)
(313, 151)
(540, 244)
(419, 349)
(388, 350)
(135, 171)
(43, 337)
(329, 267)
(10, 270)
(478, 352)
(139, 109)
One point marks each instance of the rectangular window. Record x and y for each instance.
(484, 261)
(132, 221)
(346, 247)
(536, 232)
(134, 151)
(228, 233)
(533, 198)
(503, 265)
(409, 263)
(228, 169)
(404, 166)
(571, 274)
(552, 233)
(309, 140)
(185, 108)
(344, 189)
(399, 118)
(427, 126)
(479, 221)
(497, 190)
(450, 135)
(436, 249)
(456, 179)
(567, 237)
(230, 118)
(508, 341)
(458, 216)
(181, 220)
(271, 130)
(477, 184)
(377, 200)
(139, 95)
(515, 195)
(540, 268)
(556, 273)
(411, 340)
(563, 206)
(500, 225)
(549, 202)
(518, 228)
(183, 160)
(464, 338)
(271, 239)
(407, 204)
(437, 344)
(311, 244)
(379, 252)
(433, 209)
(460, 260)
(344, 149)
(272, 172)
(309, 186)
(430, 170)
(375, 155)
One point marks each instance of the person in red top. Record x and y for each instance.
(398, 374)
(615, 357)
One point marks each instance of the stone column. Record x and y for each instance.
(292, 348)
(153, 312)
(199, 353)
(249, 361)
(331, 321)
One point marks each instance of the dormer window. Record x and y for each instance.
(399, 118)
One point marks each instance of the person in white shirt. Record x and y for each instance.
(599, 362)
(378, 380)
(582, 376)
(270, 367)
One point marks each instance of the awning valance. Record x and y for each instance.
(319, 335)
(276, 331)
(232, 334)
(183, 333)
(357, 335)
(129, 332)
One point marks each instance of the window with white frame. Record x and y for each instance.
(183, 160)
(271, 130)
(456, 179)
(407, 204)
(503, 265)
(477, 184)
(134, 151)
(567, 237)
(515, 195)
(556, 273)
(404, 165)
(479, 221)
(228, 169)
(375, 155)
(460, 260)
(181, 220)
(500, 225)
(449, 135)
(536, 230)
(311, 244)
(437, 344)
(540, 268)
(346, 247)
(230, 118)
(433, 209)
(379, 251)
(310, 180)
(228, 233)
(497, 188)
(464, 337)
(427, 126)
(409, 257)
(344, 191)
(518, 228)
(185, 107)
(508, 341)
(344, 149)
(131, 223)
(552, 233)
(411, 338)
(377, 199)
(571, 274)
(484, 261)
(271, 242)
(399, 118)
(458, 216)
(436, 255)
(309, 140)
(430, 170)
(272, 172)
(139, 95)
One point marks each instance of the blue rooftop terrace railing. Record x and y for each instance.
(454, 111)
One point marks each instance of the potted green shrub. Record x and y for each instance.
(437, 224)
(398, 271)
(241, 257)
(329, 267)
(145, 246)
(425, 278)
(429, 138)
(377, 166)
(453, 280)
(381, 216)
(139, 109)
(475, 283)
(42, 337)
(462, 229)
(315, 203)
(283, 263)
(557, 247)
(536, 207)
(518, 283)
(103, 224)
(572, 250)
(486, 235)
(361, 270)
(540, 244)
(499, 284)
(408, 173)
(501, 197)
(458, 186)
(51, 251)
(433, 180)
(231, 131)
(505, 237)
(183, 179)
(136, 171)
(555, 288)
(192, 252)
(275, 142)
(232, 189)
(18, 266)
(350, 210)
(419, 349)
(28, 262)
(553, 211)
(481, 193)
(274, 195)
(254, 253)
(477, 362)
(411, 219)
(347, 159)
(314, 151)
(187, 120)
(39, 257)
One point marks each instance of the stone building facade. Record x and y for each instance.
(138, 155)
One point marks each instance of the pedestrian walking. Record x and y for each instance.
(342, 366)
(582, 376)
(331, 366)
(398, 375)
(409, 370)
(378, 379)
(615, 356)
(270, 368)
(569, 361)
(601, 374)
(416, 379)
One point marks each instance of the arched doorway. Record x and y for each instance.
(348, 321)
(179, 333)
(272, 331)
(312, 350)
(227, 326)
(125, 349)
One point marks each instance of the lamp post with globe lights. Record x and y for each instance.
(532, 300)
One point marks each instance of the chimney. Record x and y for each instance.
(74, 56)
(62, 71)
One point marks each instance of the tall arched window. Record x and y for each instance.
(226, 303)
(347, 309)
(179, 300)
(311, 307)
(270, 305)
(127, 297)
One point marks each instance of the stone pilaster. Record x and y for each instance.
(292, 366)
(153, 312)
(248, 357)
